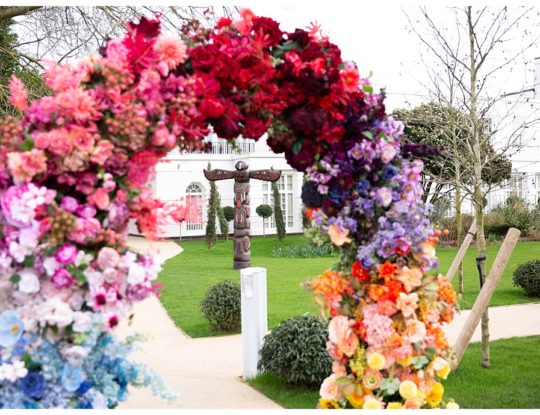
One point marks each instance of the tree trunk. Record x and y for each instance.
(459, 220)
(478, 196)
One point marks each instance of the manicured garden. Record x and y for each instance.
(187, 277)
(511, 381)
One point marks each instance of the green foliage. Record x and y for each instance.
(228, 212)
(264, 211)
(278, 213)
(514, 213)
(307, 250)
(441, 207)
(296, 351)
(221, 306)
(527, 276)
(210, 234)
(223, 223)
(10, 64)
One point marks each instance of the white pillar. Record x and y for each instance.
(254, 316)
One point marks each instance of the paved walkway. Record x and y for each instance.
(205, 372)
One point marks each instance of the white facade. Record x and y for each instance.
(180, 176)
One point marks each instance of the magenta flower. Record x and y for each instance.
(62, 278)
(66, 254)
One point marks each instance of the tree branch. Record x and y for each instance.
(9, 12)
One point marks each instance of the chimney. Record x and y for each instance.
(537, 78)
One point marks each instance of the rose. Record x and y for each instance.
(100, 198)
(203, 57)
(101, 152)
(33, 385)
(66, 254)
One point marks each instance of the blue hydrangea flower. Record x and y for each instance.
(72, 377)
(11, 328)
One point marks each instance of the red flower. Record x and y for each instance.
(270, 28)
(223, 22)
(203, 57)
(387, 270)
(211, 107)
(360, 272)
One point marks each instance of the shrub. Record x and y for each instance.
(278, 213)
(306, 250)
(515, 214)
(221, 306)
(264, 211)
(527, 276)
(228, 212)
(317, 237)
(450, 223)
(296, 351)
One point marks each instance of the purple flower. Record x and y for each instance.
(62, 278)
(69, 204)
(86, 211)
(66, 254)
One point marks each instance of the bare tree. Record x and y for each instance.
(476, 54)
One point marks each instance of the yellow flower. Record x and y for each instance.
(405, 362)
(443, 373)
(358, 363)
(356, 400)
(408, 389)
(394, 405)
(372, 403)
(376, 361)
(435, 395)
(329, 404)
(452, 405)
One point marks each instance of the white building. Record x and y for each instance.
(180, 176)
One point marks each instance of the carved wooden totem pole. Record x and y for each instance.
(241, 176)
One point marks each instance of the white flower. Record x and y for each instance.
(12, 372)
(75, 355)
(83, 258)
(56, 312)
(82, 321)
(28, 237)
(18, 252)
(95, 278)
(136, 274)
(50, 264)
(29, 282)
(5, 265)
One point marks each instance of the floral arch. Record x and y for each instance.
(74, 169)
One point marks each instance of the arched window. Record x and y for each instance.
(194, 198)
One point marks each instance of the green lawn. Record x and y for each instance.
(187, 277)
(512, 381)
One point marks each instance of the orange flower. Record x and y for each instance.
(359, 272)
(331, 286)
(447, 293)
(387, 270)
(309, 212)
(376, 291)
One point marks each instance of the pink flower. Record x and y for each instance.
(171, 50)
(340, 333)
(387, 151)
(18, 96)
(101, 152)
(100, 198)
(378, 326)
(69, 204)
(414, 331)
(386, 307)
(383, 197)
(61, 77)
(66, 254)
(330, 389)
(23, 166)
(77, 104)
(410, 277)
(83, 140)
(62, 278)
(108, 258)
(403, 353)
(86, 211)
(86, 229)
(407, 303)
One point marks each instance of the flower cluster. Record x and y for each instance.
(73, 171)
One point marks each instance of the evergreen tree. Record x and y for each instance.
(211, 221)
(223, 223)
(278, 213)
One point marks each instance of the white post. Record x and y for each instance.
(254, 316)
